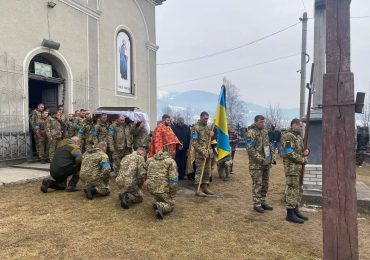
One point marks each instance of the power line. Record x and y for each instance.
(230, 49)
(237, 69)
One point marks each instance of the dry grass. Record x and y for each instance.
(66, 225)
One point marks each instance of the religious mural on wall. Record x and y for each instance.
(123, 66)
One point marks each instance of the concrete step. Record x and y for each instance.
(33, 166)
(314, 197)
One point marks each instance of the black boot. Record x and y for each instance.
(123, 197)
(298, 214)
(259, 209)
(266, 206)
(90, 192)
(158, 210)
(45, 185)
(291, 217)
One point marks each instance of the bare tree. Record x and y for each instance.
(236, 109)
(176, 112)
(274, 116)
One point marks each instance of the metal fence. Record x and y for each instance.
(14, 139)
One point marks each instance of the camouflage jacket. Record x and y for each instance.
(132, 173)
(35, 114)
(71, 129)
(257, 140)
(200, 135)
(85, 131)
(53, 128)
(120, 136)
(95, 165)
(162, 176)
(292, 146)
(40, 128)
(141, 138)
(100, 132)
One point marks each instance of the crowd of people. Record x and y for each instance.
(81, 149)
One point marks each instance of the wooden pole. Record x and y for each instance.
(340, 235)
(303, 65)
(205, 160)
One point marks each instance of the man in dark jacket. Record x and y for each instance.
(182, 131)
(66, 162)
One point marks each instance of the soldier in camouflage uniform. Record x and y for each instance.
(66, 162)
(85, 132)
(63, 116)
(260, 160)
(71, 128)
(141, 136)
(54, 132)
(95, 169)
(201, 135)
(42, 139)
(120, 141)
(224, 167)
(101, 128)
(162, 182)
(294, 158)
(36, 114)
(131, 177)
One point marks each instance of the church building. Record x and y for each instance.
(76, 53)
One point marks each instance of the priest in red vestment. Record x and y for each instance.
(164, 136)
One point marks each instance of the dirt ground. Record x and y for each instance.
(61, 225)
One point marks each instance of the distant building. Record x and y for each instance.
(76, 53)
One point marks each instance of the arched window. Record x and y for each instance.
(124, 64)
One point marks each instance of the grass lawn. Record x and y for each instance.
(61, 225)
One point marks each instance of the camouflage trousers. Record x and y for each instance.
(260, 185)
(100, 183)
(134, 196)
(293, 193)
(224, 168)
(53, 144)
(165, 200)
(198, 170)
(117, 156)
(42, 147)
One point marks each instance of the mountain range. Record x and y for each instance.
(198, 101)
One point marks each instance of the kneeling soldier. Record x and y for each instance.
(162, 182)
(95, 170)
(224, 167)
(66, 162)
(294, 158)
(131, 177)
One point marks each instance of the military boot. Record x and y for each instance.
(259, 209)
(45, 185)
(266, 206)
(291, 217)
(205, 189)
(90, 192)
(200, 193)
(123, 197)
(158, 210)
(298, 214)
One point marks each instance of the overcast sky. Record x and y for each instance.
(193, 28)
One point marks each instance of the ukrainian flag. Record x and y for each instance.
(223, 145)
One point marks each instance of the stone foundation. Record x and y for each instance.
(312, 177)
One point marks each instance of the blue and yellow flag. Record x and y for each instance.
(223, 145)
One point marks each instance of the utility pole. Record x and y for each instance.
(340, 235)
(302, 105)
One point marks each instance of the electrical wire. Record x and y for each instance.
(237, 69)
(230, 49)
